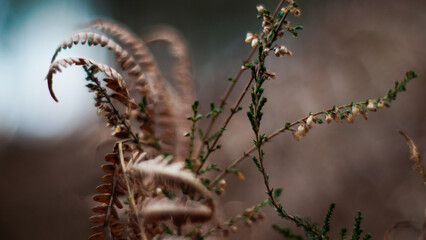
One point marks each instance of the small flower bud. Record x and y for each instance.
(249, 37)
(233, 228)
(328, 118)
(267, 29)
(371, 106)
(159, 191)
(355, 110)
(311, 119)
(254, 42)
(381, 104)
(260, 8)
(222, 183)
(284, 10)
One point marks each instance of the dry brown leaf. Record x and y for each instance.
(98, 228)
(108, 168)
(56, 67)
(415, 155)
(97, 236)
(107, 178)
(112, 157)
(103, 209)
(103, 198)
(97, 218)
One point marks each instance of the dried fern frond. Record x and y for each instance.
(165, 116)
(153, 210)
(65, 62)
(126, 60)
(107, 216)
(184, 80)
(182, 70)
(415, 155)
(162, 173)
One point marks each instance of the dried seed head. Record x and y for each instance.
(296, 12)
(249, 37)
(349, 118)
(364, 114)
(268, 75)
(371, 106)
(281, 51)
(260, 8)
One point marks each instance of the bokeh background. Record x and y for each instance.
(50, 152)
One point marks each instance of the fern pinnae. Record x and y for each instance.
(164, 111)
(65, 62)
(153, 210)
(162, 173)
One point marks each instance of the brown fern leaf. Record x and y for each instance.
(158, 171)
(108, 199)
(165, 116)
(184, 80)
(56, 67)
(153, 210)
(182, 70)
(126, 60)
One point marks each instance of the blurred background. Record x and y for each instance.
(50, 152)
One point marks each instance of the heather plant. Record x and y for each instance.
(161, 181)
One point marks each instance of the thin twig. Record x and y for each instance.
(237, 104)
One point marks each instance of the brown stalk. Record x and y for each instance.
(132, 202)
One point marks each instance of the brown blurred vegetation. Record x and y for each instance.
(348, 51)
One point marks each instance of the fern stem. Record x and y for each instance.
(132, 201)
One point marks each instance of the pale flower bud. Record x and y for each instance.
(249, 37)
(371, 106)
(254, 42)
(222, 183)
(381, 104)
(159, 191)
(311, 119)
(355, 110)
(233, 228)
(302, 129)
(328, 118)
(260, 8)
